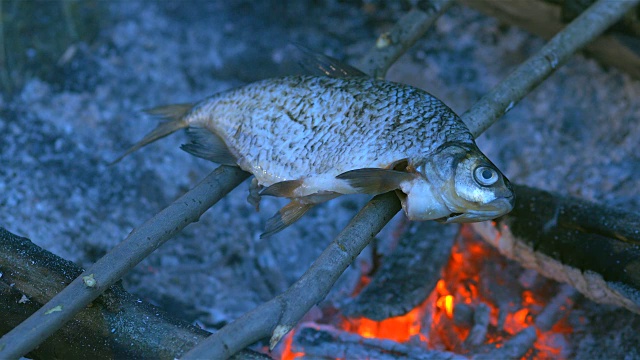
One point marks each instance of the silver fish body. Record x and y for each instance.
(312, 138)
(309, 126)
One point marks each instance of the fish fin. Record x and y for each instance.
(208, 145)
(320, 64)
(254, 194)
(286, 216)
(282, 189)
(170, 112)
(174, 116)
(294, 210)
(375, 180)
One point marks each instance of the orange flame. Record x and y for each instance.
(435, 321)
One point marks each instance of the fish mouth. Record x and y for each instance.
(489, 211)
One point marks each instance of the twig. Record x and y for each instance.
(520, 343)
(478, 333)
(110, 268)
(556, 52)
(31, 276)
(278, 316)
(553, 311)
(392, 44)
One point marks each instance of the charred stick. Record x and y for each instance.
(321, 341)
(31, 276)
(563, 238)
(278, 316)
(408, 275)
(591, 23)
(553, 311)
(514, 348)
(478, 333)
(111, 267)
(392, 44)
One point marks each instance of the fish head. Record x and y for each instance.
(457, 184)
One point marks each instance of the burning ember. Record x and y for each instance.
(483, 303)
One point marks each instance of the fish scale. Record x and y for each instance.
(306, 126)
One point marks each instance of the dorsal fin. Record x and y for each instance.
(320, 64)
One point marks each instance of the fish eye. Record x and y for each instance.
(485, 175)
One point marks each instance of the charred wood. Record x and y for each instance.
(408, 275)
(326, 342)
(478, 333)
(514, 348)
(115, 325)
(589, 246)
(619, 48)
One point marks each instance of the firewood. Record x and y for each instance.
(115, 325)
(478, 333)
(408, 275)
(590, 246)
(326, 342)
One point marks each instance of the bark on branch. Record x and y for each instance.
(592, 247)
(110, 268)
(586, 27)
(116, 325)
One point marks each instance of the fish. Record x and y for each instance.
(312, 138)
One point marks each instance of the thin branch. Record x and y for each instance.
(31, 276)
(536, 69)
(278, 316)
(110, 268)
(392, 44)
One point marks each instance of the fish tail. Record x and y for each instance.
(174, 120)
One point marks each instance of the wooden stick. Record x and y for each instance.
(31, 276)
(111, 267)
(278, 316)
(536, 69)
(392, 44)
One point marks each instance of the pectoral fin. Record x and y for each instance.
(375, 180)
(294, 210)
(207, 145)
(282, 189)
(286, 216)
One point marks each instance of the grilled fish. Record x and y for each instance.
(313, 138)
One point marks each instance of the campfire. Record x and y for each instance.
(482, 305)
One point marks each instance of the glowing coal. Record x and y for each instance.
(483, 305)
